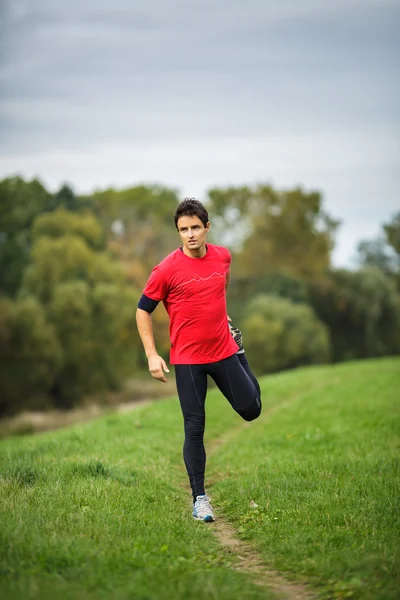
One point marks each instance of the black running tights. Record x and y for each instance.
(236, 381)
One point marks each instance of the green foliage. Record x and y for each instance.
(14, 256)
(272, 284)
(70, 311)
(114, 328)
(278, 284)
(52, 251)
(280, 334)
(374, 253)
(145, 215)
(20, 202)
(62, 222)
(64, 259)
(66, 199)
(362, 311)
(103, 269)
(392, 232)
(141, 203)
(92, 313)
(285, 231)
(71, 331)
(96, 329)
(30, 355)
(384, 251)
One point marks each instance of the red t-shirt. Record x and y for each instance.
(193, 293)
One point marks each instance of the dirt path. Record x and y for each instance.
(250, 560)
(252, 563)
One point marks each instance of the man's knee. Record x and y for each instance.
(252, 412)
(194, 425)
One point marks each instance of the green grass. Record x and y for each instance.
(99, 510)
(324, 471)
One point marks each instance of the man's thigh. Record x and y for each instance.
(234, 382)
(191, 384)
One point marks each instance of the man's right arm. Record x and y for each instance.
(145, 328)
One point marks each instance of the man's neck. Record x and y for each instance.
(198, 253)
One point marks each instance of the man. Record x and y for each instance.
(192, 283)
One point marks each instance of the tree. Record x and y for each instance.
(20, 203)
(65, 198)
(87, 301)
(392, 231)
(384, 251)
(64, 259)
(95, 326)
(62, 222)
(30, 355)
(281, 335)
(374, 253)
(145, 231)
(362, 311)
(243, 289)
(280, 231)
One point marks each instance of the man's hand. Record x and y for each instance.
(156, 367)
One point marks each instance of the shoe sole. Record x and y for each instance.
(207, 519)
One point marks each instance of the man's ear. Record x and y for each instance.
(208, 225)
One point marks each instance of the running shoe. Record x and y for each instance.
(237, 336)
(202, 509)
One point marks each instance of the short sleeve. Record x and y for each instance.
(156, 287)
(228, 257)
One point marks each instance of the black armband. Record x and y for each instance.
(147, 304)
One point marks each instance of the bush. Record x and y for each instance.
(96, 329)
(362, 310)
(242, 289)
(30, 356)
(280, 334)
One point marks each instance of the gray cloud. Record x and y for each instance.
(99, 79)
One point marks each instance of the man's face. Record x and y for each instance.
(192, 233)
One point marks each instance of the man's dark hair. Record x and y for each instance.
(190, 207)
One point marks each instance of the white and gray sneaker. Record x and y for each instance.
(202, 509)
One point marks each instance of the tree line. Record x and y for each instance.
(72, 269)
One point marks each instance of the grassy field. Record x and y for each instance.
(101, 510)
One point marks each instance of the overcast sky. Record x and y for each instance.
(198, 94)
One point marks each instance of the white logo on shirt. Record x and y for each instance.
(197, 279)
